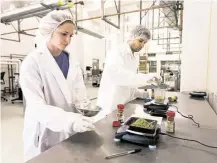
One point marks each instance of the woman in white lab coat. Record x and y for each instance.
(120, 80)
(53, 87)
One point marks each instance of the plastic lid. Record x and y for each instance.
(116, 124)
(120, 110)
(171, 113)
(120, 106)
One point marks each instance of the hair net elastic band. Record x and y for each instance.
(61, 23)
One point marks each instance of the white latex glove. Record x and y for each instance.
(79, 123)
(83, 104)
(84, 124)
(141, 94)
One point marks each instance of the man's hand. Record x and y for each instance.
(155, 81)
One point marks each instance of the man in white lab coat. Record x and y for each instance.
(120, 79)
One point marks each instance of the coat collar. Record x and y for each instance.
(64, 84)
(127, 50)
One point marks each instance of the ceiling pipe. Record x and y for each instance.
(127, 12)
(25, 10)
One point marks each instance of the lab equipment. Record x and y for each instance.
(159, 95)
(2, 83)
(96, 73)
(198, 94)
(170, 124)
(156, 109)
(124, 153)
(145, 137)
(90, 112)
(142, 126)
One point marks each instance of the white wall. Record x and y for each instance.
(212, 64)
(199, 59)
(153, 47)
(196, 23)
(93, 48)
(24, 47)
(212, 67)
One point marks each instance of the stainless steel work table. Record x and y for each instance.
(93, 147)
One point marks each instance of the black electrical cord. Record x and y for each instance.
(188, 140)
(188, 117)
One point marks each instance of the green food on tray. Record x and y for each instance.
(142, 123)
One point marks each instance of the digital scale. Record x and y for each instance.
(137, 135)
(196, 94)
(143, 136)
(146, 136)
(156, 109)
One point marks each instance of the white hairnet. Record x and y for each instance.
(140, 31)
(52, 20)
(49, 23)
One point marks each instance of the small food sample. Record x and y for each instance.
(143, 123)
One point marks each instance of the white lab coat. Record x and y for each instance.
(49, 98)
(120, 79)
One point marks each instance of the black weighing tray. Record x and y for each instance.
(131, 120)
(123, 135)
(156, 109)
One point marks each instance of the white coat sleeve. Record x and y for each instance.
(80, 89)
(121, 76)
(54, 118)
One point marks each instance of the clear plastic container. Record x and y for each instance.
(159, 95)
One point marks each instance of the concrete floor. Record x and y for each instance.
(12, 126)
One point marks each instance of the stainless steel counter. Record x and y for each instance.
(93, 147)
